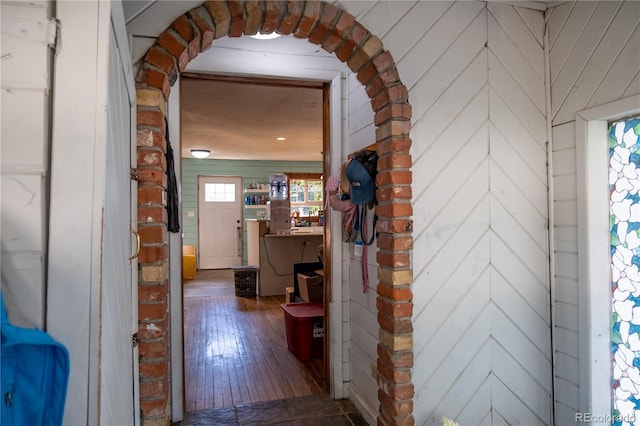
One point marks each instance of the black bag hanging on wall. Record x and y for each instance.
(173, 218)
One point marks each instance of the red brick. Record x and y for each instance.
(151, 158)
(254, 10)
(161, 59)
(392, 374)
(150, 195)
(394, 309)
(394, 161)
(395, 359)
(152, 292)
(153, 370)
(272, 11)
(221, 17)
(355, 38)
(155, 78)
(395, 293)
(173, 43)
(396, 177)
(310, 17)
(397, 392)
(393, 407)
(149, 137)
(152, 310)
(394, 210)
(152, 214)
(155, 329)
(389, 111)
(183, 27)
(366, 73)
(153, 234)
(337, 36)
(154, 177)
(397, 144)
(291, 17)
(203, 21)
(345, 24)
(386, 225)
(393, 242)
(325, 23)
(151, 118)
(391, 193)
(236, 11)
(154, 407)
(150, 388)
(154, 253)
(393, 259)
(399, 326)
(374, 86)
(396, 94)
(151, 349)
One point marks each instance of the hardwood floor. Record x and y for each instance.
(235, 351)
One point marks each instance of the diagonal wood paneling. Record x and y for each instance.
(480, 202)
(576, 57)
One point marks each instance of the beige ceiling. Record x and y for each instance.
(241, 121)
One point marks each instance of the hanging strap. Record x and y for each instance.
(173, 222)
(363, 227)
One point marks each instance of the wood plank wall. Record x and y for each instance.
(26, 87)
(475, 75)
(594, 50)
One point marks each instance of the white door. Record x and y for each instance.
(219, 221)
(119, 402)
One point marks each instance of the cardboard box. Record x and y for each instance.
(310, 286)
(288, 295)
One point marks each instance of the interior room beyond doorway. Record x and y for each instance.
(235, 349)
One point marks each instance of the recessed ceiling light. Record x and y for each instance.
(281, 138)
(270, 36)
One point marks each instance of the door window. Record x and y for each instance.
(219, 193)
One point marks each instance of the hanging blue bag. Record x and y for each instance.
(34, 370)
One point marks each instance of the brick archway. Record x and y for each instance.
(337, 32)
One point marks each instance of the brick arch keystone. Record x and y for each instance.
(337, 32)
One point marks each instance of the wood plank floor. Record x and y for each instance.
(235, 351)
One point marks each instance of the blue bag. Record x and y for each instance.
(34, 372)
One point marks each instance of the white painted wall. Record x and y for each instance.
(475, 76)
(594, 51)
(27, 40)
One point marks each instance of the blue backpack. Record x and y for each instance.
(34, 372)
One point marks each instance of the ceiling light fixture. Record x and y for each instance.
(270, 36)
(200, 153)
(280, 138)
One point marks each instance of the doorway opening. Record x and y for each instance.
(235, 351)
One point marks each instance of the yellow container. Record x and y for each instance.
(188, 262)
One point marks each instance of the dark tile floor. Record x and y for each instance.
(302, 411)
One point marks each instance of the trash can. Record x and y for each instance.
(304, 329)
(245, 280)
